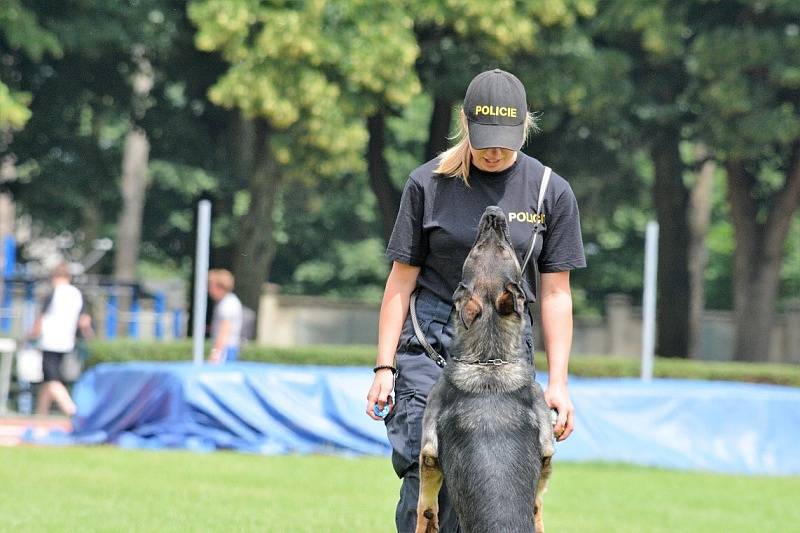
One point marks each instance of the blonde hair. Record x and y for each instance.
(221, 278)
(455, 161)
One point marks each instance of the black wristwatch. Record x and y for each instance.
(387, 367)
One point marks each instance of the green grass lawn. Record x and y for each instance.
(109, 489)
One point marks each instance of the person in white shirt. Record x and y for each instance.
(56, 326)
(226, 323)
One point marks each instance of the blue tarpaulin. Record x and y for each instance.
(684, 424)
(269, 408)
(253, 407)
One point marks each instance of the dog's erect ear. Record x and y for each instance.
(469, 308)
(511, 300)
(470, 311)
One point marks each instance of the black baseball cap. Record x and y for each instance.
(496, 106)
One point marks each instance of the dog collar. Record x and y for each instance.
(488, 362)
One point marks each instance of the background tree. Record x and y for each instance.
(134, 180)
(699, 220)
(72, 151)
(300, 73)
(746, 87)
(639, 106)
(455, 43)
(655, 38)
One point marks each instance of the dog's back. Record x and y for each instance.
(490, 456)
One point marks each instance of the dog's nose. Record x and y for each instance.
(494, 211)
(494, 215)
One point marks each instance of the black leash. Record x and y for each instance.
(435, 356)
(538, 227)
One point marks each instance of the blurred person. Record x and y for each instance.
(226, 322)
(441, 205)
(56, 326)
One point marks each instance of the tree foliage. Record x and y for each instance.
(20, 31)
(68, 156)
(606, 80)
(312, 68)
(745, 84)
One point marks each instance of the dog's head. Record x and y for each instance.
(491, 283)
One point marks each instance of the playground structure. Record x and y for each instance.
(140, 310)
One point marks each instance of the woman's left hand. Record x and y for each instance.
(557, 397)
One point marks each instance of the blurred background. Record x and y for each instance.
(301, 120)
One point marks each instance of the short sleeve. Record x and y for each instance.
(228, 310)
(82, 300)
(562, 245)
(408, 243)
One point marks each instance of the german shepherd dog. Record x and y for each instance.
(486, 427)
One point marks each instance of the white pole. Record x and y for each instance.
(201, 280)
(649, 300)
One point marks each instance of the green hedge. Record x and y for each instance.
(128, 350)
(337, 355)
(666, 367)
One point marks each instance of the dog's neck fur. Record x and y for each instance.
(497, 338)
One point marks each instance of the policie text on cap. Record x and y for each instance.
(496, 107)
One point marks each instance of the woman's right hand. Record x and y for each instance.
(394, 307)
(379, 393)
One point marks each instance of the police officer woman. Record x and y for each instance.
(441, 206)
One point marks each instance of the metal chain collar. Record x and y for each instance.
(488, 362)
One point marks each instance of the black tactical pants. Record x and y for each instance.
(416, 374)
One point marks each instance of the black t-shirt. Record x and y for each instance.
(438, 221)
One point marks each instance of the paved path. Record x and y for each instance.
(13, 427)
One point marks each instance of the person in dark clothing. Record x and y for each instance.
(441, 205)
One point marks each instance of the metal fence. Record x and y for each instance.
(116, 310)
